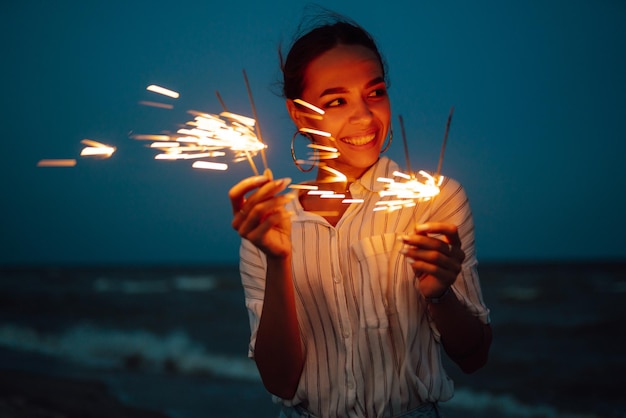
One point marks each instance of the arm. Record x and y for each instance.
(263, 220)
(465, 338)
(437, 262)
(278, 351)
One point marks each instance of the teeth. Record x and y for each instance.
(359, 140)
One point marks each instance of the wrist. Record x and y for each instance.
(435, 300)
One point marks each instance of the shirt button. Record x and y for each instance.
(350, 385)
(337, 279)
(346, 334)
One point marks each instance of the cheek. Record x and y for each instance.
(383, 111)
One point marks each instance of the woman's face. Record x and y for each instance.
(347, 83)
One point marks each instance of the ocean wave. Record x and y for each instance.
(93, 346)
(176, 283)
(493, 405)
(176, 352)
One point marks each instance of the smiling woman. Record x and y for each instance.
(349, 306)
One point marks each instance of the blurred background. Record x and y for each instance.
(123, 271)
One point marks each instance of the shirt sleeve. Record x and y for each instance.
(452, 205)
(252, 268)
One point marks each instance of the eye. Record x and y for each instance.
(379, 92)
(335, 103)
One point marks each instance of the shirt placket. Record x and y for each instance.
(344, 318)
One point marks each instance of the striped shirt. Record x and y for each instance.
(371, 350)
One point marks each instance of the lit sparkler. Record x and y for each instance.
(208, 135)
(410, 190)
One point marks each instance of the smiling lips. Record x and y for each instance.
(359, 140)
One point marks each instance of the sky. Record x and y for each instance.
(537, 137)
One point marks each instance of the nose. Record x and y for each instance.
(361, 112)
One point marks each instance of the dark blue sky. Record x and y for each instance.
(537, 137)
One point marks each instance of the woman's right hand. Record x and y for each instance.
(262, 217)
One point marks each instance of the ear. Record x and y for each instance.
(294, 113)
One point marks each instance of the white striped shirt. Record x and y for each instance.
(371, 350)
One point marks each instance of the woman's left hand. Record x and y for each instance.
(436, 261)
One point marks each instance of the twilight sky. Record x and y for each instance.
(537, 137)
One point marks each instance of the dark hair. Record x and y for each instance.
(315, 42)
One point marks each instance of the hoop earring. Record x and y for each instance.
(293, 151)
(389, 142)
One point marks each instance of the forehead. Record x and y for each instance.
(342, 66)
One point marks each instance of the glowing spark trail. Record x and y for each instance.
(162, 90)
(315, 132)
(309, 105)
(409, 191)
(206, 136)
(56, 163)
(94, 148)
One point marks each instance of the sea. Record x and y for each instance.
(174, 339)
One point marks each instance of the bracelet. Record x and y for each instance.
(438, 299)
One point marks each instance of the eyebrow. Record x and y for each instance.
(337, 90)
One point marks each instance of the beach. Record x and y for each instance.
(171, 341)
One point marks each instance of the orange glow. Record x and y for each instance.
(303, 186)
(339, 176)
(156, 104)
(56, 163)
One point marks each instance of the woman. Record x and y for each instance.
(349, 306)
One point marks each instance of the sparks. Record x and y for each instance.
(156, 104)
(96, 149)
(162, 90)
(315, 132)
(58, 162)
(207, 165)
(401, 194)
(206, 136)
(309, 105)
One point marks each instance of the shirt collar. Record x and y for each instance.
(384, 167)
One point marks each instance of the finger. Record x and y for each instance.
(271, 221)
(426, 242)
(449, 230)
(238, 192)
(441, 274)
(245, 222)
(434, 258)
(266, 192)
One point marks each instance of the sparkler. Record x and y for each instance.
(208, 135)
(410, 190)
(267, 172)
